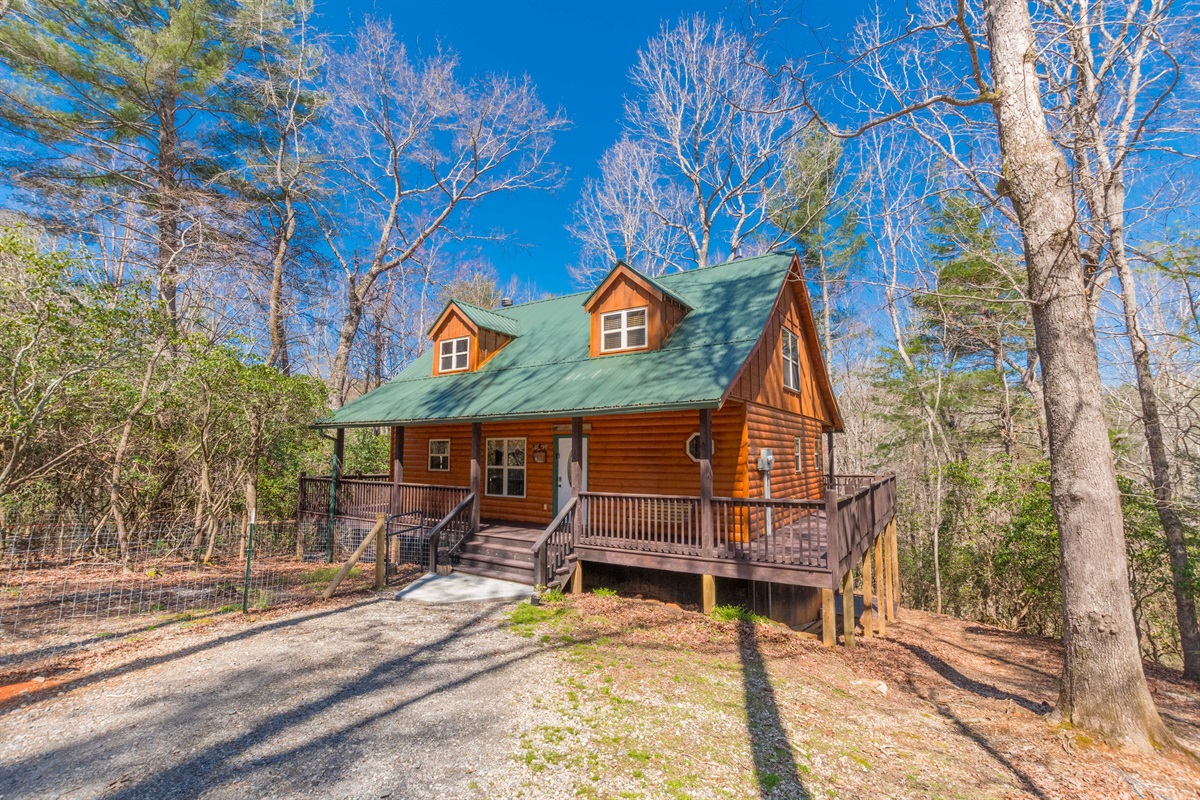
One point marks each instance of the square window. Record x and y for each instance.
(439, 455)
(623, 330)
(454, 354)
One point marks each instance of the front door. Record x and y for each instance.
(562, 457)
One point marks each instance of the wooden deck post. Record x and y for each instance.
(880, 585)
(848, 608)
(708, 593)
(398, 454)
(868, 616)
(575, 470)
(339, 452)
(380, 552)
(828, 619)
(476, 471)
(706, 483)
(895, 569)
(888, 587)
(577, 578)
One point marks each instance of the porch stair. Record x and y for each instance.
(499, 551)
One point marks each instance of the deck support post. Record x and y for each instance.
(868, 615)
(476, 471)
(397, 466)
(708, 593)
(848, 608)
(894, 607)
(828, 619)
(577, 578)
(381, 553)
(708, 546)
(575, 469)
(880, 585)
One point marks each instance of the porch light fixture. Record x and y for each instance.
(539, 454)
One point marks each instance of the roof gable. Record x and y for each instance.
(621, 269)
(548, 370)
(480, 318)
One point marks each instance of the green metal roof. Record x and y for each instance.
(655, 282)
(485, 318)
(548, 370)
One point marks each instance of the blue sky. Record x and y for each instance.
(579, 55)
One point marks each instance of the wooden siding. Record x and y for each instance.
(635, 453)
(761, 378)
(625, 291)
(484, 343)
(770, 427)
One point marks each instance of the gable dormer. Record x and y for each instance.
(631, 311)
(466, 336)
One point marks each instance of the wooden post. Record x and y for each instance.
(895, 598)
(829, 438)
(848, 608)
(888, 587)
(828, 619)
(339, 452)
(577, 578)
(708, 593)
(398, 454)
(706, 483)
(380, 553)
(868, 615)
(880, 587)
(476, 471)
(380, 523)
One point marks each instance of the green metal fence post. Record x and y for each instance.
(249, 558)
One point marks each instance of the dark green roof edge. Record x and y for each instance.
(678, 298)
(483, 318)
(695, 405)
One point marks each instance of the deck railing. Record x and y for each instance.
(770, 531)
(362, 499)
(646, 522)
(554, 547)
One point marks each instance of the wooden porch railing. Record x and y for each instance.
(827, 535)
(448, 534)
(552, 550)
(363, 499)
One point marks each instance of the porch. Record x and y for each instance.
(796, 542)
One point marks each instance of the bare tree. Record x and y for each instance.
(414, 147)
(692, 177)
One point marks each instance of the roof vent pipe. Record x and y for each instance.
(505, 302)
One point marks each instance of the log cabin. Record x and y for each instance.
(671, 434)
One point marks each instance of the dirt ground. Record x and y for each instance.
(659, 702)
(593, 697)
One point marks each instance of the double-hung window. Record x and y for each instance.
(623, 330)
(455, 354)
(791, 360)
(439, 455)
(799, 455)
(505, 468)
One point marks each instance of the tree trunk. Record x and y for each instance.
(340, 371)
(168, 207)
(1103, 686)
(1160, 466)
(278, 355)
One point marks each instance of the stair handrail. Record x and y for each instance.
(538, 548)
(435, 534)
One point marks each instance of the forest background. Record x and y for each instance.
(220, 220)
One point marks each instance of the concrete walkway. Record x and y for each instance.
(458, 587)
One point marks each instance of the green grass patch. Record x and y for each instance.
(553, 596)
(600, 591)
(737, 614)
(524, 619)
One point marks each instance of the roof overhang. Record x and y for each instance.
(697, 405)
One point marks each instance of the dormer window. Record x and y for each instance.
(623, 330)
(455, 354)
(791, 360)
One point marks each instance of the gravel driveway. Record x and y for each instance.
(383, 698)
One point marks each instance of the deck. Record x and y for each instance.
(804, 542)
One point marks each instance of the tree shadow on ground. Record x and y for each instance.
(961, 681)
(774, 763)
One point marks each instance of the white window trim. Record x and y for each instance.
(625, 329)
(800, 459)
(431, 454)
(488, 448)
(453, 354)
(687, 447)
(791, 379)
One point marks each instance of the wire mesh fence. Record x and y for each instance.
(63, 575)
